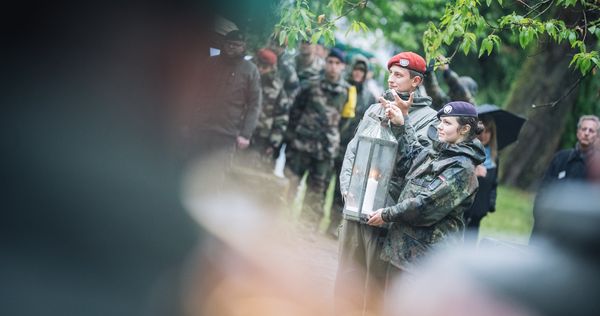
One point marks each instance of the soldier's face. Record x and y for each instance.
(587, 133)
(449, 131)
(264, 68)
(234, 48)
(334, 67)
(401, 81)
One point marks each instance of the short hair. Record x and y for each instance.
(415, 74)
(589, 118)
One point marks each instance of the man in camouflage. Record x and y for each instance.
(359, 263)
(461, 88)
(309, 65)
(273, 120)
(286, 69)
(313, 134)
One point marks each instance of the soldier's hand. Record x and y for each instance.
(269, 151)
(242, 142)
(375, 219)
(392, 112)
(480, 171)
(404, 106)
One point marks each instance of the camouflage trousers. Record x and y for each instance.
(361, 277)
(319, 172)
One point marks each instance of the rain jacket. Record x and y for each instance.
(421, 116)
(440, 186)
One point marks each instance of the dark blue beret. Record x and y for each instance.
(457, 108)
(337, 53)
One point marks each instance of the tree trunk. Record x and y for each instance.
(544, 78)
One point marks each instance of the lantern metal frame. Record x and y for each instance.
(356, 212)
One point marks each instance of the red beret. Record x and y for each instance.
(266, 56)
(408, 60)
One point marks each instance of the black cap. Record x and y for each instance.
(457, 108)
(235, 35)
(337, 53)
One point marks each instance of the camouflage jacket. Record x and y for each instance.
(440, 185)
(286, 69)
(310, 71)
(274, 117)
(421, 116)
(456, 91)
(315, 118)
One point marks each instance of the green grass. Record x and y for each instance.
(513, 218)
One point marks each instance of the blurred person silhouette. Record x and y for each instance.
(274, 116)
(286, 69)
(227, 109)
(359, 267)
(441, 185)
(313, 136)
(309, 65)
(461, 88)
(570, 164)
(487, 177)
(556, 275)
(92, 219)
(262, 264)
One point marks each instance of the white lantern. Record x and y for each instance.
(371, 172)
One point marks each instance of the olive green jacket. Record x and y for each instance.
(440, 186)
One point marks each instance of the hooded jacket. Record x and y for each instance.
(439, 187)
(421, 117)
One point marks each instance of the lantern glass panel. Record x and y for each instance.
(357, 182)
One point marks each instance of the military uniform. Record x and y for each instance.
(273, 120)
(360, 244)
(313, 137)
(440, 185)
(286, 69)
(310, 71)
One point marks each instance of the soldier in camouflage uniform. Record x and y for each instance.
(313, 138)
(308, 64)
(440, 184)
(460, 88)
(273, 120)
(359, 265)
(286, 69)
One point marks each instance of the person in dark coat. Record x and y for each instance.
(487, 176)
(227, 111)
(570, 164)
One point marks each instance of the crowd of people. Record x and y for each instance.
(317, 103)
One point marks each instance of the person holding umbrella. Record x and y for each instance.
(493, 138)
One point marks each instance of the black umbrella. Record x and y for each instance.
(508, 125)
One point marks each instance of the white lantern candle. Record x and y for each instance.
(369, 200)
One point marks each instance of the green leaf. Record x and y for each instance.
(282, 36)
(486, 46)
(315, 37)
(488, 2)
